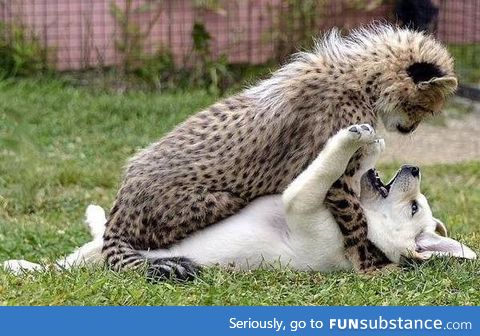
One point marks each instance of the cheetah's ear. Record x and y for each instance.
(447, 84)
(428, 75)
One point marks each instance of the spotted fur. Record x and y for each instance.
(258, 141)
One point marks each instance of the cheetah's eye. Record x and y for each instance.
(414, 207)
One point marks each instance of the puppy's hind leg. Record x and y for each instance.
(89, 253)
(19, 267)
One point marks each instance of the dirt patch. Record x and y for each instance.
(456, 139)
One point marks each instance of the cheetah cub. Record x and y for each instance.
(297, 229)
(257, 142)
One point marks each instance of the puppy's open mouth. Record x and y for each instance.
(377, 183)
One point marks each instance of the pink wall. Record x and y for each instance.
(82, 33)
(459, 21)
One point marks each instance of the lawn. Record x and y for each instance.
(467, 62)
(62, 148)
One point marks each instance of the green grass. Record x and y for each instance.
(63, 148)
(467, 62)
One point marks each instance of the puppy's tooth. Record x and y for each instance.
(383, 191)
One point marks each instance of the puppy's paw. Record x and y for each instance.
(363, 133)
(374, 149)
(18, 267)
(378, 146)
(354, 136)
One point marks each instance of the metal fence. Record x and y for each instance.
(86, 34)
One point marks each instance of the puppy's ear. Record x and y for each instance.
(429, 244)
(440, 228)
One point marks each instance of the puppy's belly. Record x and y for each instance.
(257, 232)
(258, 236)
(318, 242)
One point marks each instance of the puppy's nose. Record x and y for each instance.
(415, 171)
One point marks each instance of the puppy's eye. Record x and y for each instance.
(414, 207)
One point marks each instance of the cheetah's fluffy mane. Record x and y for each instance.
(381, 49)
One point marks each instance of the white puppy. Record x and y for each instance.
(296, 229)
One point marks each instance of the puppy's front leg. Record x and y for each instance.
(309, 189)
(344, 204)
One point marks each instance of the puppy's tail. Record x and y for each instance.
(96, 220)
(91, 252)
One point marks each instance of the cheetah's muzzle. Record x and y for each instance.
(406, 130)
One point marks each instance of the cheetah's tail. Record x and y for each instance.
(160, 264)
(118, 255)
